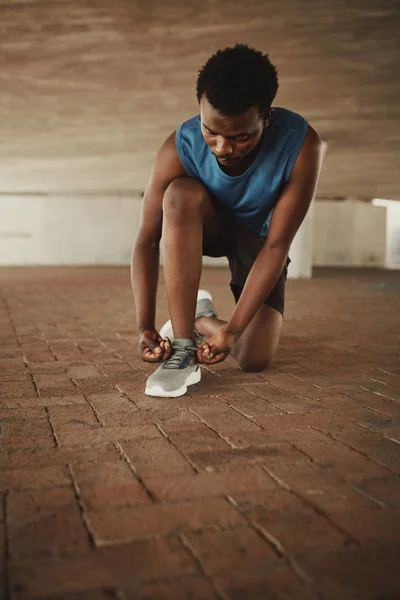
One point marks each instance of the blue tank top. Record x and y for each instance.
(249, 197)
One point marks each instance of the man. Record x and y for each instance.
(235, 181)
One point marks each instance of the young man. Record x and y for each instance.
(235, 181)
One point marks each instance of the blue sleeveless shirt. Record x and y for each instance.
(249, 197)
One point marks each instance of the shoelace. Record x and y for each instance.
(179, 356)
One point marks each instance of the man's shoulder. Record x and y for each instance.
(190, 124)
(284, 117)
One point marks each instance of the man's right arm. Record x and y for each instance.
(145, 258)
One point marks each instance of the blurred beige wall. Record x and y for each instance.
(90, 89)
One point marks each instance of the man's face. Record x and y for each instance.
(230, 138)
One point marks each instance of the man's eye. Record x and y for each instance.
(242, 139)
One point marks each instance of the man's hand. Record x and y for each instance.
(217, 347)
(153, 348)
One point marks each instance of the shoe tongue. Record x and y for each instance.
(182, 342)
(180, 356)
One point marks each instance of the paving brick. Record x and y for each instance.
(223, 460)
(59, 532)
(304, 389)
(370, 526)
(114, 409)
(300, 372)
(184, 588)
(284, 400)
(146, 560)
(208, 484)
(105, 593)
(385, 488)
(369, 572)
(33, 578)
(95, 385)
(75, 417)
(342, 461)
(371, 444)
(156, 456)
(234, 428)
(320, 487)
(22, 433)
(55, 384)
(37, 457)
(196, 436)
(37, 478)
(128, 524)
(290, 428)
(294, 522)
(234, 555)
(281, 584)
(102, 496)
(113, 471)
(82, 371)
(249, 404)
(25, 506)
(347, 404)
(47, 401)
(17, 389)
(52, 366)
(23, 412)
(10, 376)
(101, 435)
(383, 376)
(39, 356)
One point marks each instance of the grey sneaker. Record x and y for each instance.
(173, 376)
(204, 308)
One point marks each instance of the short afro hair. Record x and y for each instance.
(234, 79)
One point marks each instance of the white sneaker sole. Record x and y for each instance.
(167, 331)
(159, 392)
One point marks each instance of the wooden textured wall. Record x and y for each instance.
(89, 89)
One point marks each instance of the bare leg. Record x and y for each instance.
(258, 343)
(187, 210)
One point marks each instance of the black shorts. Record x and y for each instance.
(241, 247)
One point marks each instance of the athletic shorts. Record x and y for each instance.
(241, 247)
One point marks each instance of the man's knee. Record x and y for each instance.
(184, 195)
(254, 366)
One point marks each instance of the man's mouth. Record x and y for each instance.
(227, 161)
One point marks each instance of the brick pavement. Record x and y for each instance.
(279, 485)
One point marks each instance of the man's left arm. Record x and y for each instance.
(288, 214)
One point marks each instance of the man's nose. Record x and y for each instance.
(223, 147)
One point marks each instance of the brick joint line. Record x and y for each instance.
(132, 467)
(379, 394)
(195, 557)
(121, 391)
(181, 452)
(286, 412)
(375, 460)
(82, 509)
(315, 507)
(352, 485)
(95, 412)
(279, 549)
(53, 430)
(212, 428)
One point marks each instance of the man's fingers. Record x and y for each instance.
(167, 352)
(151, 344)
(216, 358)
(151, 357)
(211, 356)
